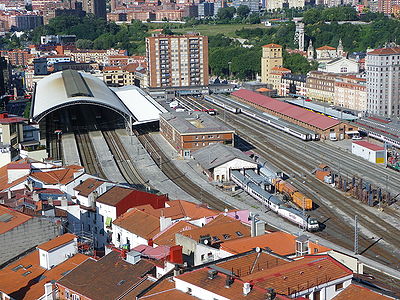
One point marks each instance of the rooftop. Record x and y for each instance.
(196, 122)
(10, 218)
(140, 223)
(272, 46)
(356, 292)
(25, 278)
(385, 51)
(114, 195)
(220, 229)
(217, 154)
(88, 186)
(167, 237)
(326, 48)
(108, 278)
(289, 110)
(179, 209)
(58, 176)
(57, 242)
(369, 145)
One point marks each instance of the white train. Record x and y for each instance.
(228, 107)
(273, 203)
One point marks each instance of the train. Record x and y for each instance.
(286, 188)
(273, 203)
(233, 109)
(290, 191)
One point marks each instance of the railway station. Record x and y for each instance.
(71, 101)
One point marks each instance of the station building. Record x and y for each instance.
(187, 131)
(326, 127)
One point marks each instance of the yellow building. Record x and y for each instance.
(271, 58)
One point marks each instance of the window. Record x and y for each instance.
(317, 295)
(339, 286)
(75, 297)
(67, 294)
(202, 257)
(189, 291)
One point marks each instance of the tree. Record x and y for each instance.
(243, 11)
(226, 13)
(84, 44)
(297, 63)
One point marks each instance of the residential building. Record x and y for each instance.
(176, 61)
(205, 9)
(34, 275)
(321, 86)
(340, 65)
(11, 136)
(217, 161)
(383, 83)
(118, 76)
(387, 6)
(272, 57)
(293, 84)
(187, 131)
(18, 57)
(112, 204)
(275, 77)
(99, 56)
(350, 92)
(28, 22)
(281, 4)
(253, 5)
(114, 276)
(20, 232)
(96, 7)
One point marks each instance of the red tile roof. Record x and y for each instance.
(296, 276)
(57, 242)
(280, 69)
(326, 48)
(356, 292)
(10, 219)
(369, 145)
(167, 237)
(60, 176)
(272, 46)
(289, 110)
(88, 186)
(385, 51)
(31, 285)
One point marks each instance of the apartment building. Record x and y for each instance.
(271, 58)
(96, 7)
(294, 84)
(351, 92)
(175, 61)
(383, 81)
(321, 86)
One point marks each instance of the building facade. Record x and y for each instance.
(293, 84)
(321, 86)
(175, 61)
(272, 57)
(350, 92)
(188, 132)
(383, 82)
(96, 7)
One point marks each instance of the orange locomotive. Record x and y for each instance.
(298, 198)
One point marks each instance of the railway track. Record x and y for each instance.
(178, 177)
(87, 154)
(122, 158)
(338, 229)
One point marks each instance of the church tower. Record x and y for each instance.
(339, 50)
(310, 51)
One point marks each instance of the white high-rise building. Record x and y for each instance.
(383, 81)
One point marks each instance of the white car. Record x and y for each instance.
(356, 137)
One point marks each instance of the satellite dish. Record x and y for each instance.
(206, 242)
(258, 249)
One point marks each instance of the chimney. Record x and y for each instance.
(270, 295)
(228, 281)
(9, 194)
(246, 288)
(212, 274)
(253, 225)
(164, 222)
(176, 270)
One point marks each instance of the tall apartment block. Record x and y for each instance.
(383, 81)
(176, 61)
(272, 57)
(96, 7)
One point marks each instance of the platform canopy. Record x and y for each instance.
(69, 87)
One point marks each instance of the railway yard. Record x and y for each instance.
(334, 209)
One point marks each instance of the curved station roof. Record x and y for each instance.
(69, 87)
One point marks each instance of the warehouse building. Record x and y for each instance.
(218, 160)
(188, 131)
(325, 127)
(371, 152)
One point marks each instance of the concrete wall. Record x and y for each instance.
(222, 172)
(29, 234)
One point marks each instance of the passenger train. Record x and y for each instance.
(303, 134)
(273, 203)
